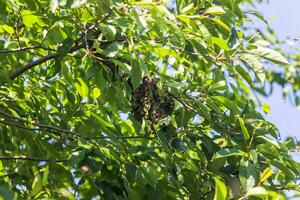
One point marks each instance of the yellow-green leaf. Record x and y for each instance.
(244, 129)
(266, 108)
(221, 190)
(7, 29)
(96, 93)
(220, 43)
(29, 18)
(265, 175)
(82, 88)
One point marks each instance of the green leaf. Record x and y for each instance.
(213, 105)
(103, 123)
(45, 176)
(253, 156)
(255, 64)
(82, 88)
(282, 166)
(203, 110)
(272, 55)
(37, 184)
(67, 44)
(221, 85)
(290, 143)
(55, 35)
(259, 16)
(220, 43)
(108, 31)
(215, 10)
(136, 74)
(6, 193)
(244, 129)
(246, 76)
(76, 157)
(220, 191)
(257, 192)
(229, 152)
(248, 175)
(150, 175)
(187, 8)
(227, 103)
(140, 21)
(233, 39)
(29, 18)
(193, 155)
(221, 24)
(113, 49)
(268, 149)
(163, 141)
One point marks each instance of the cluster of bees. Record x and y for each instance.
(149, 104)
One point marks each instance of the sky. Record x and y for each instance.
(284, 19)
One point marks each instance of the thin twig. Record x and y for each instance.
(124, 137)
(30, 159)
(19, 126)
(16, 31)
(25, 49)
(43, 126)
(58, 131)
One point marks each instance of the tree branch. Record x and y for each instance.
(25, 49)
(56, 55)
(30, 159)
(40, 61)
(47, 128)
(58, 131)
(32, 64)
(124, 137)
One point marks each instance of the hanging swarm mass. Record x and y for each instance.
(148, 104)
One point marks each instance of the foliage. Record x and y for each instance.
(134, 99)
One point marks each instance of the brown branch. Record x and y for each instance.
(30, 159)
(40, 61)
(32, 64)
